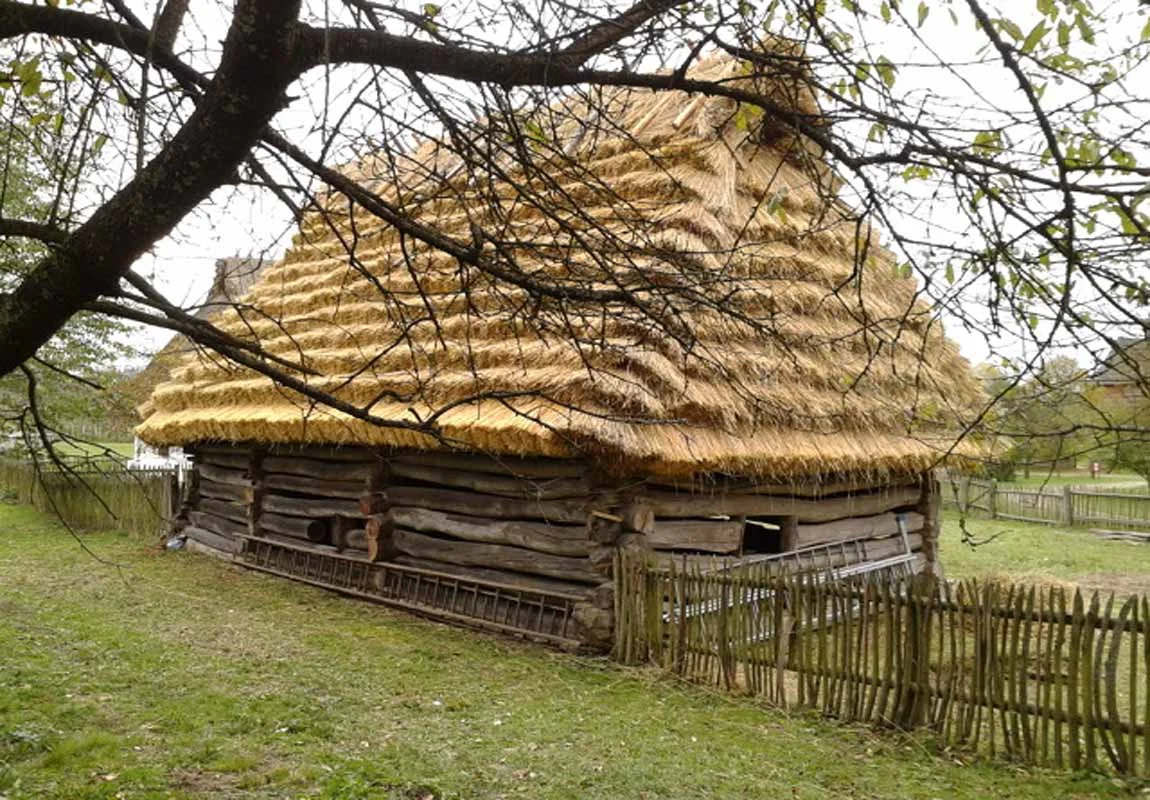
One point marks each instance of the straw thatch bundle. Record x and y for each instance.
(756, 328)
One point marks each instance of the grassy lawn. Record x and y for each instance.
(1044, 478)
(1046, 553)
(78, 449)
(167, 675)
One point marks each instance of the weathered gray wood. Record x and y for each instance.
(496, 465)
(311, 530)
(210, 539)
(488, 505)
(789, 534)
(667, 504)
(929, 506)
(638, 517)
(223, 508)
(227, 459)
(232, 477)
(352, 453)
(877, 526)
(812, 489)
(517, 579)
(560, 540)
(314, 486)
(219, 525)
(875, 549)
(710, 535)
(544, 489)
(496, 556)
(311, 506)
(355, 539)
(592, 625)
(603, 528)
(222, 491)
(321, 470)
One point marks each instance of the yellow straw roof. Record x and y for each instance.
(770, 335)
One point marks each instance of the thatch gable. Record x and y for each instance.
(798, 349)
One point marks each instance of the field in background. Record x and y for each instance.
(1079, 477)
(1021, 551)
(168, 675)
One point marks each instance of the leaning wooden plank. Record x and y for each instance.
(311, 506)
(667, 504)
(516, 559)
(207, 538)
(224, 508)
(311, 530)
(496, 465)
(708, 535)
(517, 580)
(557, 539)
(232, 477)
(314, 486)
(322, 470)
(488, 505)
(220, 525)
(877, 525)
(544, 489)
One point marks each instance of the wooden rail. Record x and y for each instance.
(1068, 505)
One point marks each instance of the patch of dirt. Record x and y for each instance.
(202, 782)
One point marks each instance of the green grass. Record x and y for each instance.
(169, 675)
(1022, 551)
(1044, 478)
(69, 449)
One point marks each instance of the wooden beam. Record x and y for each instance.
(516, 579)
(235, 458)
(257, 493)
(314, 486)
(875, 526)
(556, 539)
(667, 504)
(218, 525)
(352, 454)
(544, 489)
(311, 506)
(928, 507)
(222, 491)
(310, 530)
(232, 477)
(225, 509)
(495, 465)
(516, 559)
(811, 489)
(709, 535)
(638, 517)
(210, 539)
(379, 536)
(488, 505)
(320, 470)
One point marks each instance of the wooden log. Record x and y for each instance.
(473, 554)
(544, 489)
(314, 486)
(667, 504)
(228, 459)
(320, 470)
(603, 528)
(514, 579)
(638, 517)
(379, 534)
(232, 477)
(257, 493)
(225, 509)
(928, 507)
(496, 465)
(219, 525)
(876, 549)
(875, 526)
(811, 489)
(593, 626)
(892, 546)
(311, 506)
(789, 534)
(222, 491)
(710, 535)
(355, 539)
(372, 503)
(211, 539)
(562, 540)
(602, 559)
(351, 454)
(311, 530)
(487, 505)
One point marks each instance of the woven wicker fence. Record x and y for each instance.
(1033, 673)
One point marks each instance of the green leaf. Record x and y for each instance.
(884, 11)
(923, 13)
(1034, 37)
(887, 71)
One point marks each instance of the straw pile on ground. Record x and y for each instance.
(754, 327)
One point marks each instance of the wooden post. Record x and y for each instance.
(789, 534)
(374, 502)
(991, 498)
(1067, 506)
(928, 505)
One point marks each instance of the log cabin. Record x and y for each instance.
(768, 381)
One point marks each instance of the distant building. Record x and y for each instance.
(1125, 373)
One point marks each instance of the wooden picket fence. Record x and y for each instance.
(1033, 673)
(1067, 505)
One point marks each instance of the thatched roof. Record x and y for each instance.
(799, 349)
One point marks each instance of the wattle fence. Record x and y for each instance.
(1033, 673)
(1070, 506)
(94, 494)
